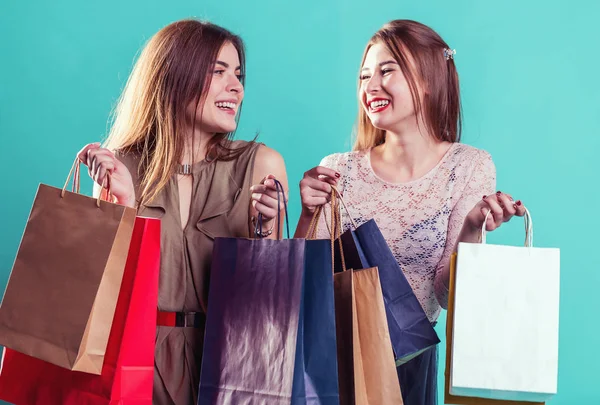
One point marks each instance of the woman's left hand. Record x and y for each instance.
(502, 207)
(264, 198)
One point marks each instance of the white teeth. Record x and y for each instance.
(378, 103)
(225, 104)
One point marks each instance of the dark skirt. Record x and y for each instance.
(418, 379)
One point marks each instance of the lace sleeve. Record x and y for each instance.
(482, 182)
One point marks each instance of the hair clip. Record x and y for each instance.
(449, 53)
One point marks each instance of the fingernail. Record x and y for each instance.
(519, 203)
(498, 192)
(484, 197)
(338, 175)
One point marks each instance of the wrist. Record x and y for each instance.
(266, 228)
(472, 228)
(128, 200)
(307, 214)
(470, 233)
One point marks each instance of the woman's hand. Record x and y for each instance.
(502, 208)
(315, 188)
(101, 162)
(264, 198)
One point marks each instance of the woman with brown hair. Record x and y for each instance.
(170, 154)
(409, 172)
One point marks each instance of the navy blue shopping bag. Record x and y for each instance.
(410, 330)
(315, 372)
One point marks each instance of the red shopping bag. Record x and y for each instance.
(128, 369)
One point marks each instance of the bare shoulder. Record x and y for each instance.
(268, 156)
(269, 161)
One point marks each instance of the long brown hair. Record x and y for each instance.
(419, 51)
(150, 118)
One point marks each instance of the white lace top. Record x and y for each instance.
(421, 219)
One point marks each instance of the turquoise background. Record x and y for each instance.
(530, 86)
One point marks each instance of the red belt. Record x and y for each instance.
(180, 319)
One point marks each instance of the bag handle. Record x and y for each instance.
(314, 223)
(76, 173)
(528, 228)
(280, 196)
(335, 232)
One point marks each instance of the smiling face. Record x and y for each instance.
(217, 112)
(407, 86)
(384, 91)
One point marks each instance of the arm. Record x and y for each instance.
(481, 183)
(268, 166)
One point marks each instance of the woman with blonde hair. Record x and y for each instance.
(408, 171)
(170, 154)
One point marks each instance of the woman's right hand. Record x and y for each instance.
(101, 161)
(315, 188)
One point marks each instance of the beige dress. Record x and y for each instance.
(219, 208)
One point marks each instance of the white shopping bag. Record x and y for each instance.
(505, 325)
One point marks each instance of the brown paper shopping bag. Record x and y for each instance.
(366, 366)
(62, 292)
(373, 354)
